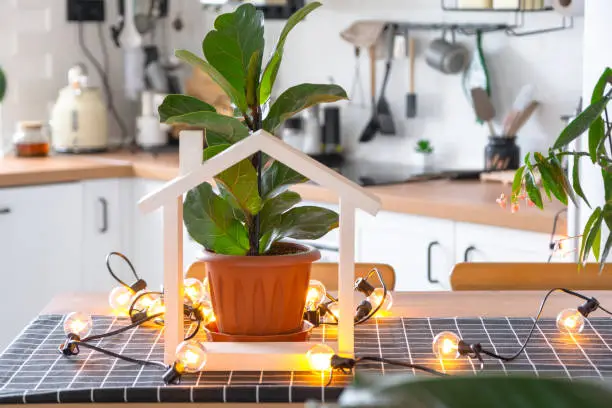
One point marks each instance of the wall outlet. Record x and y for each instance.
(85, 10)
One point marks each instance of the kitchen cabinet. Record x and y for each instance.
(480, 243)
(105, 228)
(420, 249)
(40, 250)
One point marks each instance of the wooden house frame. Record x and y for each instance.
(193, 172)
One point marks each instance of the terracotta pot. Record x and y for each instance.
(260, 295)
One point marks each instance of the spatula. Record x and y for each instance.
(484, 108)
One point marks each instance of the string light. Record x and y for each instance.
(377, 296)
(78, 323)
(206, 285)
(144, 300)
(206, 311)
(192, 355)
(319, 357)
(315, 295)
(193, 290)
(446, 345)
(120, 299)
(157, 307)
(332, 314)
(570, 321)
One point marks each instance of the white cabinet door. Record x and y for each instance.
(420, 249)
(481, 243)
(40, 250)
(105, 229)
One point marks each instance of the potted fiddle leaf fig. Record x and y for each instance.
(594, 120)
(257, 282)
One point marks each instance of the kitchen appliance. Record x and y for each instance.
(79, 118)
(312, 130)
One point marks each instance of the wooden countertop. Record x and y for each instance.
(465, 201)
(405, 304)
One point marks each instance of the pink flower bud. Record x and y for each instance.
(514, 208)
(502, 201)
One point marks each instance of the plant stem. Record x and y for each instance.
(254, 230)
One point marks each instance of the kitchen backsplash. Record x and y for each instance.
(41, 46)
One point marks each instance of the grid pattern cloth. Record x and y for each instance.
(33, 371)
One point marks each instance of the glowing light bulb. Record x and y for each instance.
(120, 299)
(315, 295)
(319, 357)
(144, 300)
(207, 312)
(78, 323)
(333, 313)
(376, 297)
(446, 345)
(570, 321)
(156, 307)
(206, 285)
(192, 355)
(193, 290)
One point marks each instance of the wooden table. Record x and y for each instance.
(406, 304)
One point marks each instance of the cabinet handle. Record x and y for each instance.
(429, 250)
(104, 204)
(5, 210)
(466, 254)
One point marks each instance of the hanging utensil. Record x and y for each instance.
(385, 118)
(484, 108)
(373, 126)
(357, 92)
(411, 98)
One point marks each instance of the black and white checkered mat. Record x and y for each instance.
(32, 370)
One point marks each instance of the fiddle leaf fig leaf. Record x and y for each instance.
(252, 85)
(271, 71)
(177, 105)
(298, 98)
(230, 129)
(209, 220)
(237, 97)
(581, 123)
(240, 181)
(212, 151)
(231, 45)
(306, 222)
(271, 214)
(277, 177)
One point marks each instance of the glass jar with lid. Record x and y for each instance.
(31, 139)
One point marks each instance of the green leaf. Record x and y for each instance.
(271, 71)
(518, 181)
(605, 253)
(240, 181)
(561, 178)
(481, 391)
(298, 98)
(600, 86)
(209, 220)
(212, 151)
(597, 242)
(607, 180)
(252, 85)
(307, 222)
(550, 178)
(585, 234)
(176, 105)
(277, 177)
(581, 123)
(230, 46)
(597, 132)
(576, 180)
(236, 209)
(532, 190)
(2, 85)
(270, 216)
(230, 129)
(237, 97)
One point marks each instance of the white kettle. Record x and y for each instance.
(79, 122)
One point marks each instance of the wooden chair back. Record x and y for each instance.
(326, 272)
(529, 276)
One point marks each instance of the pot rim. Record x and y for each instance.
(308, 254)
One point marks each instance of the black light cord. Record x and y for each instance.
(400, 364)
(122, 329)
(103, 76)
(151, 363)
(127, 260)
(137, 298)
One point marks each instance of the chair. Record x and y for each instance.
(529, 276)
(326, 272)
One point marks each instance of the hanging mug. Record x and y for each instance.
(447, 57)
